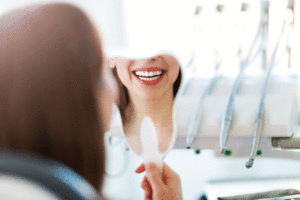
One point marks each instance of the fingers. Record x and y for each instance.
(169, 176)
(167, 171)
(147, 188)
(144, 183)
(147, 197)
(157, 185)
(140, 168)
(154, 177)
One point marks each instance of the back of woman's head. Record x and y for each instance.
(50, 62)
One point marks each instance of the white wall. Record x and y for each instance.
(106, 14)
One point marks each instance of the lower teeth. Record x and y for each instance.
(148, 79)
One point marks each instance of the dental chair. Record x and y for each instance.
(24, 176)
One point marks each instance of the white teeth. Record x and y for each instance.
(148, 79)
(139, 73)
(158, 72)
(149, 74)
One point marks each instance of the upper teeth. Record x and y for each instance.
(146, 73)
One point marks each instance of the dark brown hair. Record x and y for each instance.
(50, 63)
(177, 83)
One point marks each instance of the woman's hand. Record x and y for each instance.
(160, 186)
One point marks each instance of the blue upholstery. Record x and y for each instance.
(58, 179)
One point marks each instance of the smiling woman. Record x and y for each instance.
(149, 87)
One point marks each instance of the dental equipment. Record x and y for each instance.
(260, 114)
(291, 7)
(281, 106)
(196, 118)
(228, 112)
(265, 30)
(258, 129)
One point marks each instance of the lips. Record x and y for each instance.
(149, 75)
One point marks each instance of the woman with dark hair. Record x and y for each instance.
(55, 95)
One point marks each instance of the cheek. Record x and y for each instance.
(124, 76)
(123, 71)
(174, 74)
(170, 60)
(173, 67)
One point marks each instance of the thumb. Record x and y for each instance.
(169, 176)
(154, 176)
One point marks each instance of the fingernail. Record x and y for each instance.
(150, 166)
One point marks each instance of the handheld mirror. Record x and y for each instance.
(149, 87)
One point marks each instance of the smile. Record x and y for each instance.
(149, 77)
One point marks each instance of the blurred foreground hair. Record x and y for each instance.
(50, 65)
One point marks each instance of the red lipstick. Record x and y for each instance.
(149, 69)
(150, 83)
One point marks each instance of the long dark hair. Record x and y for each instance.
(50, 65)
(177, 83)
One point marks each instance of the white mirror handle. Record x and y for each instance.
(149, 142)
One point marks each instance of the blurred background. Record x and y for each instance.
(202, 32)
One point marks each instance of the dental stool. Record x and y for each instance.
(24, 176)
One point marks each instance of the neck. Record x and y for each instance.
(160, 110)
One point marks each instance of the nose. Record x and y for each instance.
(153, 59)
